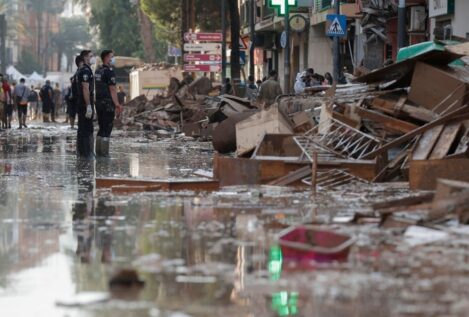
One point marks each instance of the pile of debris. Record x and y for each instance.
(184, 103)
(406, 122)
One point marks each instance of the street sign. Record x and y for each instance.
(208, 37)
(202, 68)
(336, 25)
(281, 5)
(203, 47)
(242, 58)
(242, 44)
(174, 51)
(283, 39)
(202, 58)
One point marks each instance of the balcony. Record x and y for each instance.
(322, 8)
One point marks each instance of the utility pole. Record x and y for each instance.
(3, 27)
(223, 45)
(336, 48)
(401, 25)
(252, 26)
(286, 66)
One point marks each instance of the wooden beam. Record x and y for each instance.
(423, 175)
(426, 143)
(447, 138)
(194, 185)
(389, 123)
(456, 115)
(394, 108)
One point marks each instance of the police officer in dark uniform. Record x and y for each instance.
(72, 96)
(107, 102)
(85, 109)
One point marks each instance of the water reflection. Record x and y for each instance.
(91, 221)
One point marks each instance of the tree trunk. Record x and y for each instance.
(45, 54)
(39, 36)
(59, 59)
(146, 32)
(184, 24)
(235, 33)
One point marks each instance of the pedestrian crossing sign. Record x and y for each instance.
(336, 25)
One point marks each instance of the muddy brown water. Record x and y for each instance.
(200, 254)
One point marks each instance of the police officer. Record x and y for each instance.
(107, 102)
(85, 109)
(72, 100)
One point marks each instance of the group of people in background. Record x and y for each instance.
(309, 78)
(267, 90)
(30, 102)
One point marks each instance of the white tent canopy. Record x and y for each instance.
(14, 74)
(35, 79)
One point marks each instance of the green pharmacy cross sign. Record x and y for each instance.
(281, 5)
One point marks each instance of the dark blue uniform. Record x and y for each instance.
(85, 126)
(47, 103)
(105, 108)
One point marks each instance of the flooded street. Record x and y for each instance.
(199, 254)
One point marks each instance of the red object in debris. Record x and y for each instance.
(7, 168)
(309, 244)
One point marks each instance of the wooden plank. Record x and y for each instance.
(423, 175)
(460, 114)
(180, 185)
(403, 202)
(124, 189)
(446, 187)
(446, 140)
(389, 123)
(394, 108)
(292, 177)
(426, 143)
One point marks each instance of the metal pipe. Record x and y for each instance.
(336, 49)
(401, 25)
(252, 26)
(223, 45)
(286, 52)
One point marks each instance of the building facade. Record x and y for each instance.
(449, 19)
(30, 32)
(371, 39)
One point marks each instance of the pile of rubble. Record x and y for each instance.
(405, 123)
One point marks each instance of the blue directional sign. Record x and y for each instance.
(242, 58)
(336, 25)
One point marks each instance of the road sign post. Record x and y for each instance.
(202, 68)
(336, 27)
(215, 58)
(202, 52)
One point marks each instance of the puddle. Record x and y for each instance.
(208, 254)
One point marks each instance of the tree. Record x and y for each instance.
(171, 20)
(28, 63)
(235, 33)
(117, 24)
(44, 8)
(73, 35)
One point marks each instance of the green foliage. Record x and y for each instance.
(117, 23)
(72, 37)
(28, 63)
(166, 15)
(51, 6)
